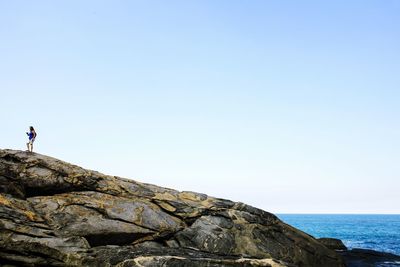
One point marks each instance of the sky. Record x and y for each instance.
(289, 106)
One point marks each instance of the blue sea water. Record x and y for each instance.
(377, 232)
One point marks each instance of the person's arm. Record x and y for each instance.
(34, 135)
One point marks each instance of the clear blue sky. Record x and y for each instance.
(290, 106)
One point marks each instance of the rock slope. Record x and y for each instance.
(57, 214)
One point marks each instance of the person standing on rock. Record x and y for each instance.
(32, 135)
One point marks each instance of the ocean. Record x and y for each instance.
(377, 232)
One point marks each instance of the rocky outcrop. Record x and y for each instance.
(358, 257)
(57, 214)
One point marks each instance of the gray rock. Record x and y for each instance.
(57, 214)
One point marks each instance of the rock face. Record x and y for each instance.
(56, 214)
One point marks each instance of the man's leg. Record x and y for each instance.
(27, 145)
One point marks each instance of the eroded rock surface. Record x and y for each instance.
(57, 214)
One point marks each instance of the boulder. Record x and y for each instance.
(53, 213)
